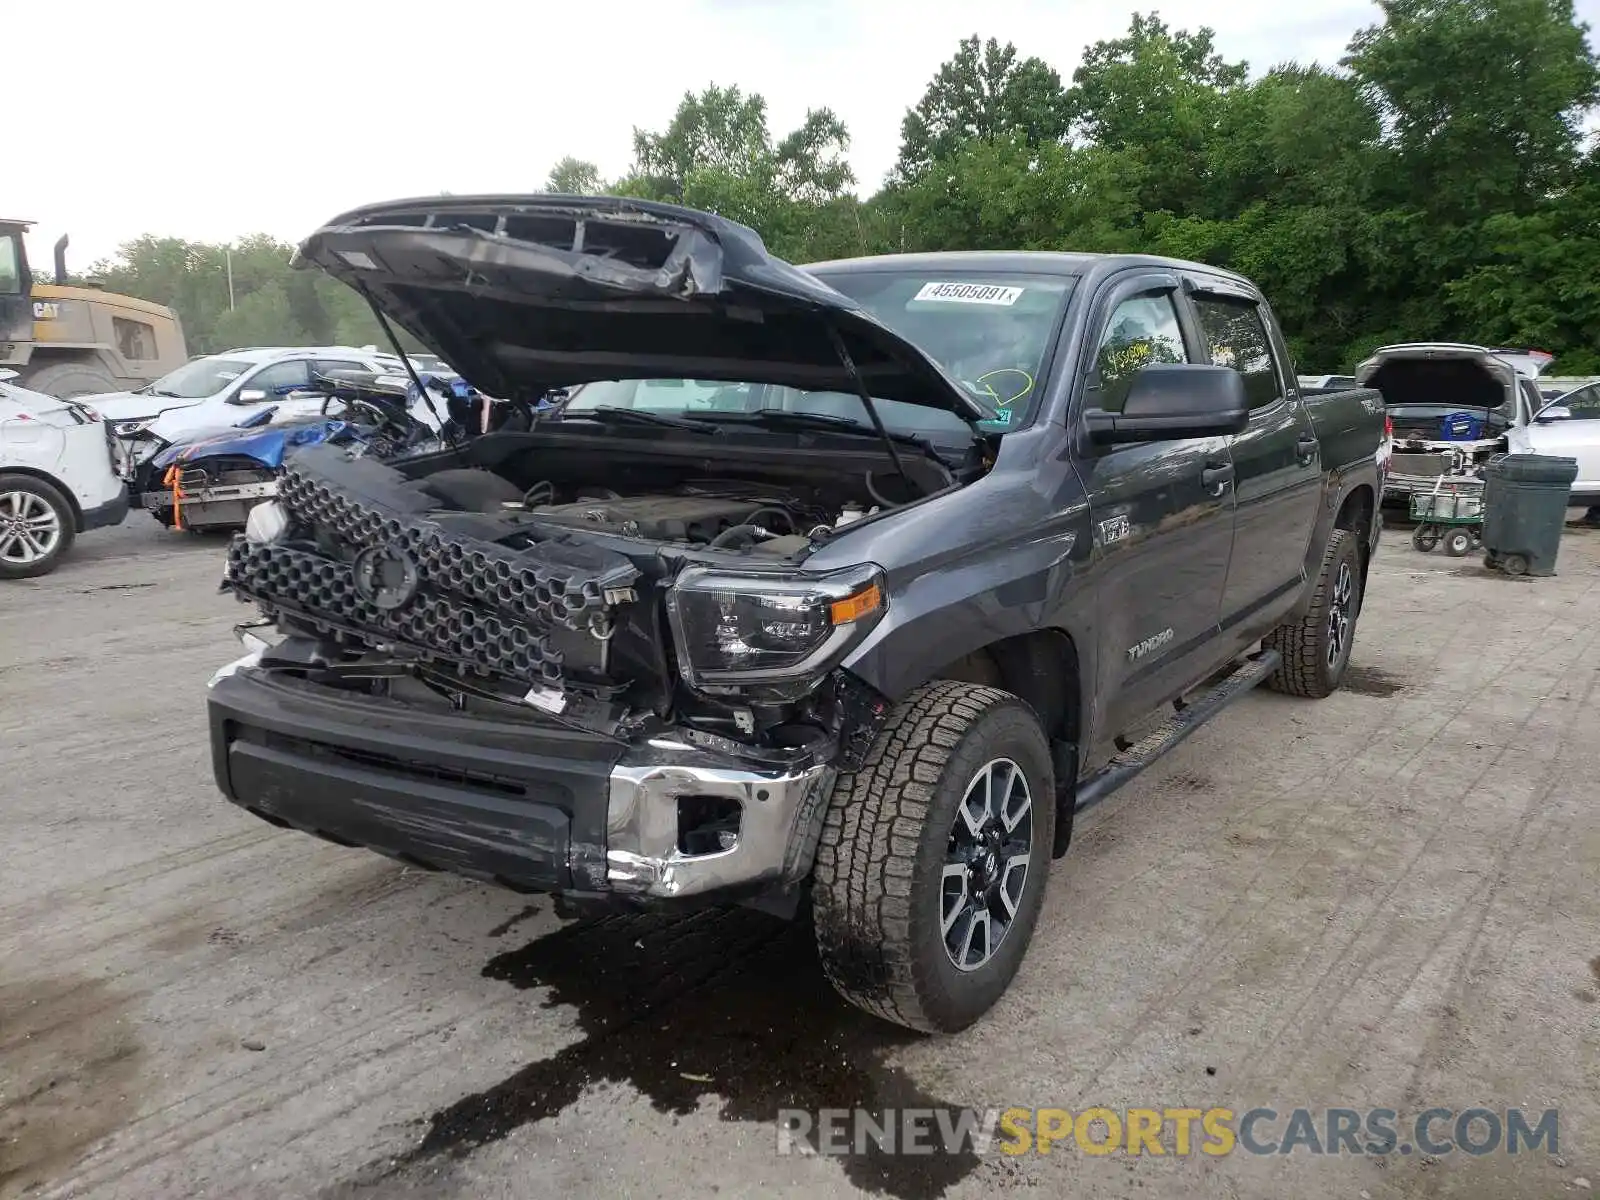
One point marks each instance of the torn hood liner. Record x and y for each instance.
(524, 294)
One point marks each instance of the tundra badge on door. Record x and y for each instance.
(1154, 642)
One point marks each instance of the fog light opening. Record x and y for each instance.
(708, 824)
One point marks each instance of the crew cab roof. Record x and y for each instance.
(1090, 267)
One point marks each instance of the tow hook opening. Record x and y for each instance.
(708, 824)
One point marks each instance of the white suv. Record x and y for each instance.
(57, 478)
(220, 390)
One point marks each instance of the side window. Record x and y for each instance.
(325, 366)
(1142, 329)
(280, 378)
(1585, 403)
(135, 339)
(10, 266)
(1237, 339)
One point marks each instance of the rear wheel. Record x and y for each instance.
(1316, 649)
(69, 379)
(1425, 538)
(934, 857)
(37, 526)
(1458, 543)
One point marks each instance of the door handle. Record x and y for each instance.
(1306, 448)
(1216, 477)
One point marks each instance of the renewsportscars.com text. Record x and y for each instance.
(1169, 1130)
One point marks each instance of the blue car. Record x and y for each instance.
(213, 480)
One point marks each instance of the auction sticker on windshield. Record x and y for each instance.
(969, 293)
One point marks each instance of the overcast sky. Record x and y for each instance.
(215, 120)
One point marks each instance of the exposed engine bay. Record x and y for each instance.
(770, 510)
(723, 516)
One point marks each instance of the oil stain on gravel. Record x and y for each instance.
(730, 1005)
(1369, 681)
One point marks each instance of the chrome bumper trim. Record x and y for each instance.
(779, 824)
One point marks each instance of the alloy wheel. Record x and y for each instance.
(30, 529)
(1344, 586)
(986, 863)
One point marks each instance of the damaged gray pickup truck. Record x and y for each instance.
(835, 591)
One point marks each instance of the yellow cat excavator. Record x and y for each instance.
(70, 341)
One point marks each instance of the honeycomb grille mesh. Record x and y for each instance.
(324, 592)
(478, 605)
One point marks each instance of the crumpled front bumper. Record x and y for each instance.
(531, 807)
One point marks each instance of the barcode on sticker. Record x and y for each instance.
(969, 293)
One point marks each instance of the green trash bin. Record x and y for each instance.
(1525, 499)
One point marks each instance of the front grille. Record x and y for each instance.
(483, 572)
(478, 605)
(323, 592)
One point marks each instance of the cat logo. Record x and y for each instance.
(46, 310)
(1153, 642)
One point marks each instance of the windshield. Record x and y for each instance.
(199, 379)
(991, 332)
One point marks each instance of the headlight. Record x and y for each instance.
(129, 428)
(736, 629)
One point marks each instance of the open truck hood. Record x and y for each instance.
(523, 294)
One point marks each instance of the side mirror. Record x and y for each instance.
(1167, 401)
(247, 396)
(1554, 412)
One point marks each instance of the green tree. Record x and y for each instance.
(1485, 98)
(574, 177)
(984, 93)
(718, 154)
(1159, 98)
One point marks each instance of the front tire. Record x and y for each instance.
(37, 526)
(1315, 650)
(934, 857)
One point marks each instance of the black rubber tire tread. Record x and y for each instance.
(65, 380)
(863, 909)
(1303, 671)
(52, 495)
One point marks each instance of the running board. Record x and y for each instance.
(1180, 725)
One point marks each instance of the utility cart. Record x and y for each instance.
(1451, 512)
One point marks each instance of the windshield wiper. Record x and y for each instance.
(163, 392)
(608, 414)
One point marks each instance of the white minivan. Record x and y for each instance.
(58, 478)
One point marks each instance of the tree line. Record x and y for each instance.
(1436, 182)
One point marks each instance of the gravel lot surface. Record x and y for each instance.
(1390, 898)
